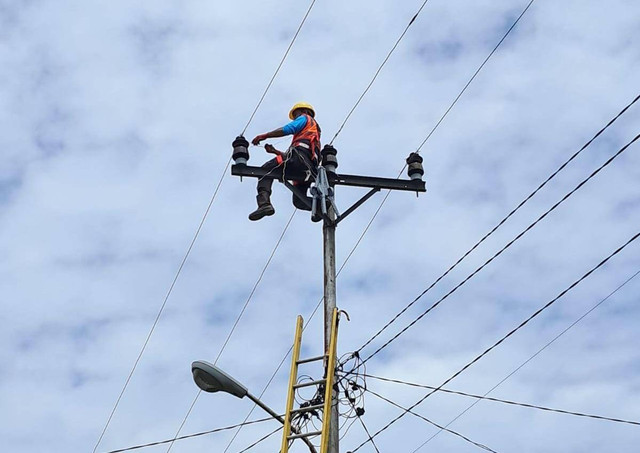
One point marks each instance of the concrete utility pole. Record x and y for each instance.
(323, 208)
(329, 242)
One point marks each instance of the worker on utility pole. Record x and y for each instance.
(302, 156)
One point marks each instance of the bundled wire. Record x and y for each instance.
(352, 393)
(353, 388)
(538, 352)
(509, 334)
(499, 224)
(502, 250)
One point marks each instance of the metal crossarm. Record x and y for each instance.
(411, 185)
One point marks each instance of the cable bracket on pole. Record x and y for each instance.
(322, 193)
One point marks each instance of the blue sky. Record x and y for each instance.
(116, 120)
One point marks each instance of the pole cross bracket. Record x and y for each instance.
(335, 179)
(357, 204)
(322, 193)
(323, 189)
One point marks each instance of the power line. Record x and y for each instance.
(284, 57)
(189, 436)
(510, 333)
(262, 439)
(443, 428)
(233, 328)
(164, 303)
(497, 400)
(366, 430)
(455, 101)
(533, 356)
(375, 76)
(474, 75)
(504, 220)
(255, 286)
(509, 244)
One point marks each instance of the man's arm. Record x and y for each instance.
(292, 128)
(273, 134)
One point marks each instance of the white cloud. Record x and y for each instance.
(116, 120)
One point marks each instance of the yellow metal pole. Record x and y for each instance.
(293, 377)
(328, 391)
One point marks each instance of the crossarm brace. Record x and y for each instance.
(358, 203)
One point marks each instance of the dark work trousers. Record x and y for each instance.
(295, 160)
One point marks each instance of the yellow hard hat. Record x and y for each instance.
(302, 105)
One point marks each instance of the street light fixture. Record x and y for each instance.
(212, 379)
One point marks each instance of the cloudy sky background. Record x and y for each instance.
(116, 120)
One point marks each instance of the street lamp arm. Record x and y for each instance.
(266, 408)
(270, 411)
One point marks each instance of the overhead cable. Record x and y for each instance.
(502, 222)
(375, 76)
(505, 337)
(189, 436)
(235, 324)
(393, 403)
(497, 400)
(375, 214)
(284, 57)
(532, 357)
(474, 75)
(366, 430)
(262, 439)
(509, 244)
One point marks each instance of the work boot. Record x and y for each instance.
(265, 208)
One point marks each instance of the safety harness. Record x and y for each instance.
(308, 137)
